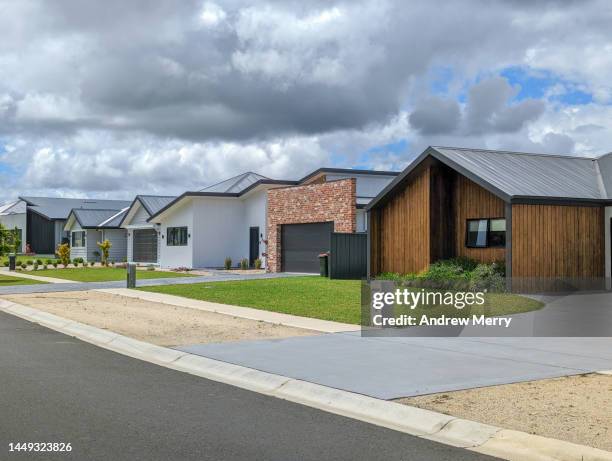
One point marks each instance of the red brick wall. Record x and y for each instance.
(329, 201)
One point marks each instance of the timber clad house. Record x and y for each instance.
(545, 216)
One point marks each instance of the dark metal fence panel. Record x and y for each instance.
(348, 256)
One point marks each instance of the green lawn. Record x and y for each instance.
(318, 297)
(7, 280)
(102, 274)
(22, 258)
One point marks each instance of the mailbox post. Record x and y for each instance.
(131, 275)
(12, 259)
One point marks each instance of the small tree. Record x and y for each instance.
(105, 247)
(4, 240)
(63, 254)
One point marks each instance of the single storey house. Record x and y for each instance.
(143, 237)
(46, 219)
(13, 216)
(88, 227)
(250, 215)
(546, 216)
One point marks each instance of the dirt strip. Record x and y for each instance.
(576, 409)
(152, 322)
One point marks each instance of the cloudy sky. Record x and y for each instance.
(112, 98)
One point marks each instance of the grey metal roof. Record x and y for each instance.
(523, 175)
(59, 208)
(93, 218)
(115, 220)
(154, 203)
(236, 184)
(15, 207)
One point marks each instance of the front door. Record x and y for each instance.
(253, 245)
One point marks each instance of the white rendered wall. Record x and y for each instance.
(256, 209)
(218, 231)
(177, 256)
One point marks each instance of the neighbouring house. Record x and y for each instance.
(143, 237)
(87, 227)
(13, 215)
(237, 217)
(547, 216)
(46, 219)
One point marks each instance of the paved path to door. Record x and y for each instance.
(216, 276)
(390, 368)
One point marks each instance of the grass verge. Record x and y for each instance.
(102, 274)
(316, 297)
(7, 280)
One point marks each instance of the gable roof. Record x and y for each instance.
(94, 219)
(16, 207)
(519, 175)
(60, 208)
(236, 184)
(349, 171)
(151, 203)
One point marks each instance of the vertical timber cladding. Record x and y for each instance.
(474, 202)
(557, 241)
(400, 229)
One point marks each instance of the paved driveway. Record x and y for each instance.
(390, 368)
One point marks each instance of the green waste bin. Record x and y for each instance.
(323, 266)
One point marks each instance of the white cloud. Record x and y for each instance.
(212, 14)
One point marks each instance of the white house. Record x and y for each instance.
(229, 219)
(143, 239)
(13, 215)
(88, 227)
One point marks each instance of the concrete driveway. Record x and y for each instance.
(389, 368)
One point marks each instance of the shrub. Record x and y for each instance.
(45, 267)
(244, 264)
(5, 264)
(91, 263)
(54, 264)
(150, 268)
(227, 263)
(63, 254)
(24, 265)
(258, 263)
(105, 247)
(39, 262)
(48, 261)
(488, 277)
(35, 266)
(29, 262)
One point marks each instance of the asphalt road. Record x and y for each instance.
(55, 388)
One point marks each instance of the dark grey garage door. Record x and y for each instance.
(145, 246)
(301, 245)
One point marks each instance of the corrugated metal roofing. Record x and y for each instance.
(115, 220)
(154, 203)
(525, 175)
(93, 218)
(236, 184)
(59, 208)
(16, 207)
(533, 175)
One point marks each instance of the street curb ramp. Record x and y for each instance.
(482, 438)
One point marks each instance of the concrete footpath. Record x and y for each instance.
(477, 437)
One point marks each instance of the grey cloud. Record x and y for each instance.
(435, 115)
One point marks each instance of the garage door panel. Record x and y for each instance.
(144, 248)
(301, 245)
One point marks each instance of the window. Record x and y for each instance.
(78, 239)
(483, 233)
(177, 236)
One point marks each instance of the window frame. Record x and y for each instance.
(168, 240)
(82, 241)
(488, 232)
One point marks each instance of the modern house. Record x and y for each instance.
(143, 240)
(547, 216)
(13, 215)
(46, 218)
(88, 227)
(250, 214)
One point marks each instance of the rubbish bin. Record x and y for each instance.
(323, 267)
(131, 275)
(12, 259)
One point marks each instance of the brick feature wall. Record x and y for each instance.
(312, 203)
